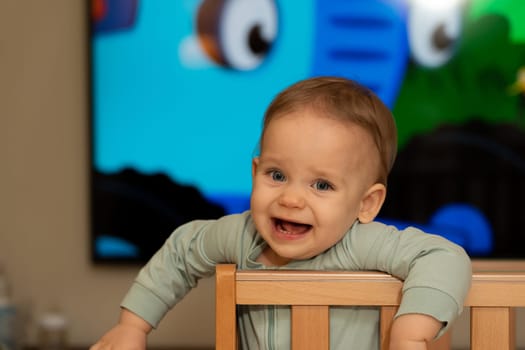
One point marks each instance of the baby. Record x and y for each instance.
(319, 181)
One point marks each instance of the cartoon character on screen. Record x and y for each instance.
(240, 35)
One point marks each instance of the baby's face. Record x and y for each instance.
(309, 183)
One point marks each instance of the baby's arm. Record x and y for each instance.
(130, 333)
(413, 331)
(189, 254)
(436, 273)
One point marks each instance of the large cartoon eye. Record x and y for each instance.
(237, 33)
(434, 28)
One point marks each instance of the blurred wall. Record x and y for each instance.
(44, 239)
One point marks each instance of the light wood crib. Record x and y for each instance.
(492, 301)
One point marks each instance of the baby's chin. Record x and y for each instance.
(287, 253)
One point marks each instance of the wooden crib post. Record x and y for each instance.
(492, 328)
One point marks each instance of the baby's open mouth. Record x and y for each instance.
(291, 228)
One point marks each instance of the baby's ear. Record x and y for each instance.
(371, 203)
(255, 163)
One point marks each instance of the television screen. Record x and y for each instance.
(179, 88)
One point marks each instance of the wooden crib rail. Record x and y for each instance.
(492, 300)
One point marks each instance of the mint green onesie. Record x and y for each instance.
(437, 275)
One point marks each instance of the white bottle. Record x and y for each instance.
(7, 315)
(52, 331)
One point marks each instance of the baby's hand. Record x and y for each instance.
(129, 334)
(122, 337)
(413, 331)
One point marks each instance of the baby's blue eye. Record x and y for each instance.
(322, 185)
(277, 176)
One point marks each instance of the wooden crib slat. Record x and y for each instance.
(308, 320)
(492, 328)
(385, 323)
(225, 308)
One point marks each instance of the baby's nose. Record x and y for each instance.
(292, 197)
